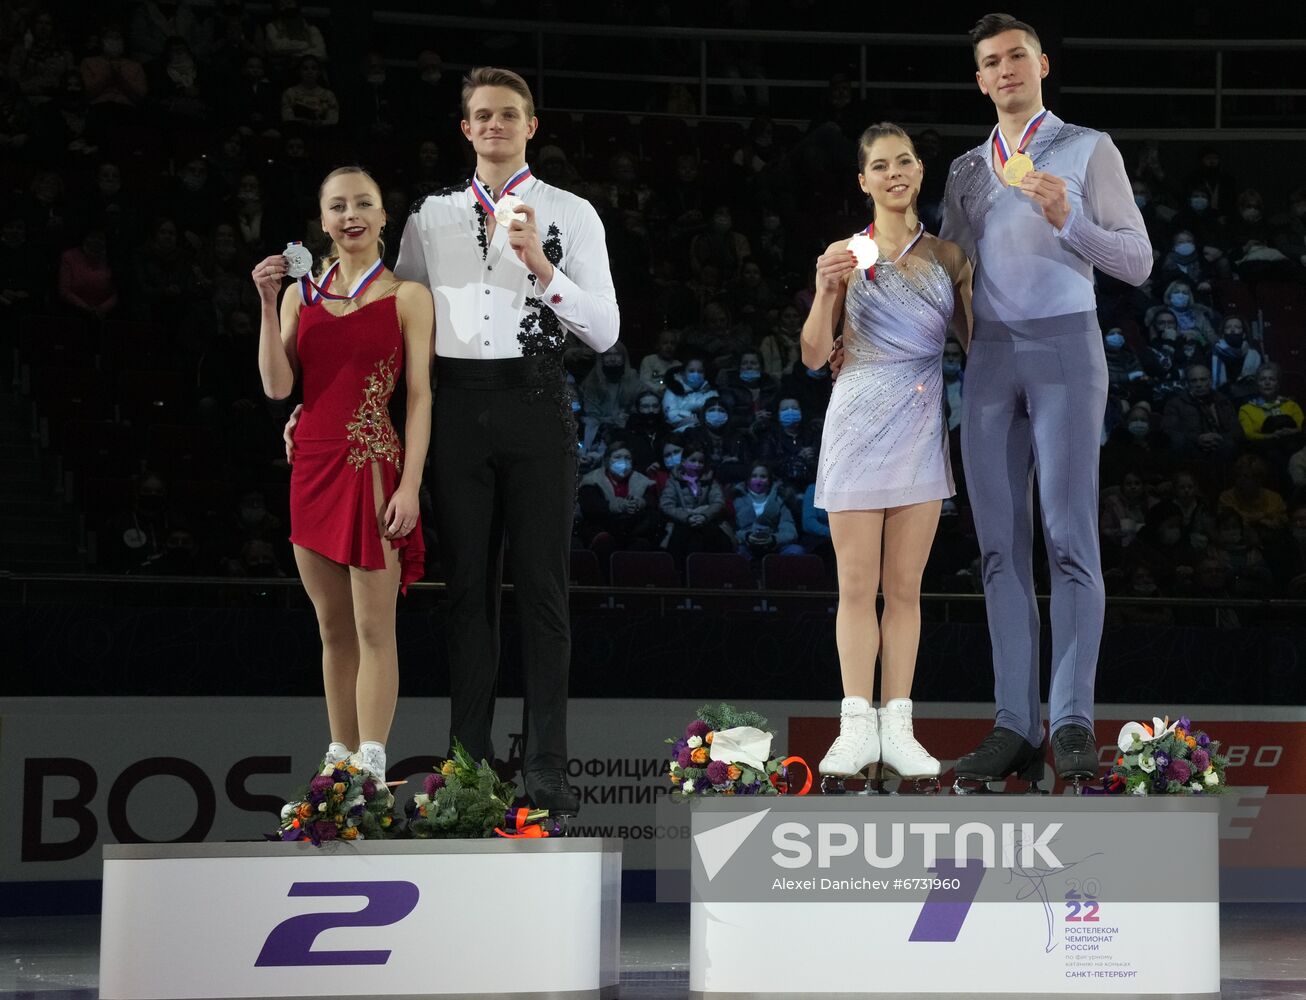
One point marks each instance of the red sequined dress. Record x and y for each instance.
(349, 365)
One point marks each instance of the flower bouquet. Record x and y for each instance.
(728, 752)
(342, 802)
(1166, 758)
(465, 799)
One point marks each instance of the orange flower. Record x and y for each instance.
(709, 737)
(349, 833)
(1191, 741)
(733, 772)
(675, 779)
(698, 755)
(305, 810)
(1179, 732)
(338, 788)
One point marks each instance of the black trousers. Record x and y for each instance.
(503, 464)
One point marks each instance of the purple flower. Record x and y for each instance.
(697, 728)
(291, 834)
(316, 797)
(321, 783)
(682, 758)
(1200, 759)
(369, 788)
(339, 774)
(1162, 760)
(718, 772)
(681, 744)
(432, 783)
(357, 810)
(1180, 771)
(323, 830)
(1184, 723)
(1203, 740)
(1159, 781)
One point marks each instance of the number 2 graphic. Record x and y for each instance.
(1091, 890)
(291, 941)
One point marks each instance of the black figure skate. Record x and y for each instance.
(1074, 753)
(1001, 754)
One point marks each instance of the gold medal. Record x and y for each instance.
(1016, 167)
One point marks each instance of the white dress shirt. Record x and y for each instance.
(487, 305)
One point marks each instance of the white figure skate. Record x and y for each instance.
(855, 751)
(900, 754)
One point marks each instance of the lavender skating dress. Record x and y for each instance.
(885, 442)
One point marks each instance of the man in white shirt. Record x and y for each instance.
(514, 265)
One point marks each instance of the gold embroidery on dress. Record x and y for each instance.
(371, 430)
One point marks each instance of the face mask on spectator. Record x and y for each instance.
(693, 469)
(790, 417)
(1199, 203)
(1140, 200)
(1185, 249)
(1190, 350)
(1168, 333)
(1139, 428)
(759, 484)
(749, 375)
(620, 467)
(817, 373)
(613, 372)
(695, 380)
(575, 406)
(1115, 340)
(672, 460)
(1179, 300)
(952, 368)
(716, 418)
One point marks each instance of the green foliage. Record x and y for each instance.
(725, 716)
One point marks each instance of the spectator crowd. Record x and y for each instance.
(153, 151)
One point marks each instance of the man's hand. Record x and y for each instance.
(288, 435)
(524, 238)
(836, 358)
(1049, 191)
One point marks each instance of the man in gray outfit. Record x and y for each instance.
(1037, 207)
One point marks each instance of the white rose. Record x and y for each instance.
(1212, 776)
(1196, 786)
(1147, 763)
(1140, 789)
(675, 766)
(688, 786)
(321, 807)
(694, 741)
(421, 800)
(288, 810)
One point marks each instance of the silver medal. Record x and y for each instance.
(299, 260)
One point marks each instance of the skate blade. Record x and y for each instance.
(909, 784)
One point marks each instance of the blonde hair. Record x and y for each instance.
(333, 254)
(493, 76)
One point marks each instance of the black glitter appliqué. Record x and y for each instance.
(542, 336)
(482, 236)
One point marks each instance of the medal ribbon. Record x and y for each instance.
(485, 196)
(310, 287)
(1000, 144)
(870, 231)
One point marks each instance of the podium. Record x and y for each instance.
(1010, 895)
(465, 918)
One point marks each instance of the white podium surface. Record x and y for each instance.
(434, 918)
(1002, 895)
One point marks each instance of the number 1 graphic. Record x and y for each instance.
(945, 910)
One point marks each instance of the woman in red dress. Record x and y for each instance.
(350, 334)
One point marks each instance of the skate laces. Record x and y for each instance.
(1072, 739)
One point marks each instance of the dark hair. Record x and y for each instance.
(881, 130)
(492, 76)
(995, 24)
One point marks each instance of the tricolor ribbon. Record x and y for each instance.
(869, 231)
(485, 196)
(1000, 143)
(314, 293)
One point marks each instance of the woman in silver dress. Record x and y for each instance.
(884, 468)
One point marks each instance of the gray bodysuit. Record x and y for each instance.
(1036, 387)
